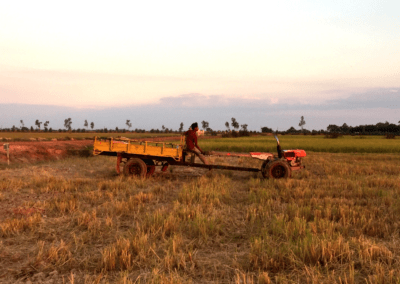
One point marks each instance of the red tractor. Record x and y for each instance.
(280, 166)
(283, 165)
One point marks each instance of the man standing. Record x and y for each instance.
(191, 142)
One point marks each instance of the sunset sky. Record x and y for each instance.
(165, 62)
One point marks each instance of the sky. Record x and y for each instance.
(266, 63)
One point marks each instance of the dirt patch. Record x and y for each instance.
(31, 152)
(36, 151)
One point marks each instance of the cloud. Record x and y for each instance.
(194, 100)
(274, 101)
(374, 98)
(216, 101)
(369, 107)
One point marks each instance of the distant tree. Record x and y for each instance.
(45, 125)
(212, 132)
(332, 128)
(92, 125)
(204, 124)
(227, 126)
(291, 130)
(86, 124)
(266, 130)
(128, 123)
(302, 122)
(234, 123)
(67, 124)
(344, 128)
(244, 127)
(181, 127)
(163, 128)
(38, 123)
(23, 125)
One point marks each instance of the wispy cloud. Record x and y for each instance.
(373, 98)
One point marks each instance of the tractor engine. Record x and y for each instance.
(293, 157)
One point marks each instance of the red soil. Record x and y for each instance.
(30, 152)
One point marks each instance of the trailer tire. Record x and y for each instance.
(151, 167)
(135, 167)
(276, 169)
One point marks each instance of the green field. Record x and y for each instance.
(317, 143)
(261, 143)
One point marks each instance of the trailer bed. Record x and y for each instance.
(114, 146)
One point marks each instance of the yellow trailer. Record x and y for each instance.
(137, 157)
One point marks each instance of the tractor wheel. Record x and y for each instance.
(276, 169)
(151, 167)
(135, 167)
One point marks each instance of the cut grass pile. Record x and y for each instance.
(317, 143)
(74, 221)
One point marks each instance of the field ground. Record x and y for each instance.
(33, 152)
(76, 221)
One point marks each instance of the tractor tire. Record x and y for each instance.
(276, 169)
(151, 167)
(135, 167)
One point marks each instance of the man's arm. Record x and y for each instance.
(195, 143)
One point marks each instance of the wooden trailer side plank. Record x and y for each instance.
(135, 147)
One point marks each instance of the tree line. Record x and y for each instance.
(233, 128)
(381, 128)
(128, 123)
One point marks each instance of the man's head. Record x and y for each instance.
(194, 125)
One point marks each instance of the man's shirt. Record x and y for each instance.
(191, 140)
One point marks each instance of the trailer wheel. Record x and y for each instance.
(151, 167)
(120, 164)
(135, 167)
(276, 169)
